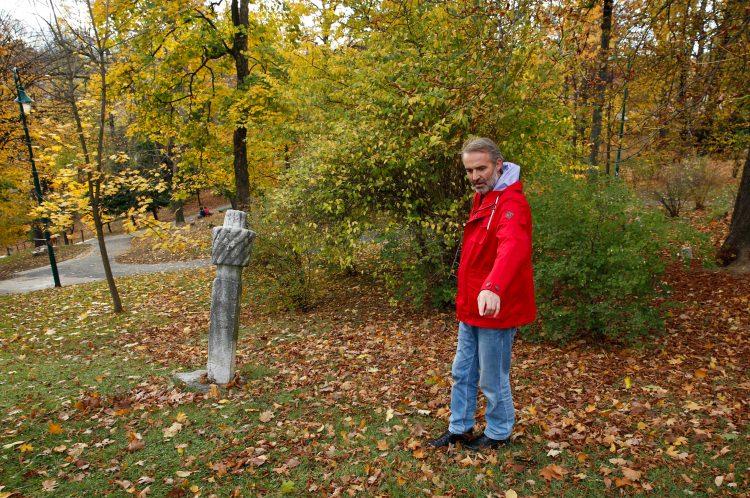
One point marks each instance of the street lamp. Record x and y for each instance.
(24, 107)
(24, 100)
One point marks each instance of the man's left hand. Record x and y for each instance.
(489, 303)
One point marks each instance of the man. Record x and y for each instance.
(495, 296)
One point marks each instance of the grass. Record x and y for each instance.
(352, 389)
(26, 260)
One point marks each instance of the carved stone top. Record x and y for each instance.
(232, 243)
(235, 219)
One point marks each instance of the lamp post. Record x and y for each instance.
(24, 107)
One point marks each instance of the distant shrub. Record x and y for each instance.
(597, 260)
(673, 188)
(674, 183)
(703, 179)
(284, 271)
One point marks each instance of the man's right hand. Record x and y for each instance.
(488, 303)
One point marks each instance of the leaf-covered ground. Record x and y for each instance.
(341, 400)
(193, 243)
(26, 260)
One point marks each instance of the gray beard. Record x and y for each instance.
(489, 186)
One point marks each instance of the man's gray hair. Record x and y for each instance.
(482, 144)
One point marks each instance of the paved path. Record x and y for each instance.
(88, 268)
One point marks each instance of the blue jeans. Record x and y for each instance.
(483, 358)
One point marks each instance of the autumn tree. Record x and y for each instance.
(204, 84)
(16, 190)
(391, 93)
(93, 41)
(736, 247)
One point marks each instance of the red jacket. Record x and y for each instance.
(496, 255)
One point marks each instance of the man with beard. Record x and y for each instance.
(495, 296)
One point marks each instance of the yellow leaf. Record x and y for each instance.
(49, 485)
(511, 494)
(628, 383)
(266, 416)
(55, 428)
(25, 448)
(172, 430)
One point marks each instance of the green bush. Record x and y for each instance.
(284, 271)
(419, 269)
(598, 257)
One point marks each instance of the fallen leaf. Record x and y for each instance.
(54, 428)
(135, 442)
(266, 416)
(49, 485)
(631, 474)
(172, 430)
(553, 471)
(382, 445)
(511, 494)
(287, 487)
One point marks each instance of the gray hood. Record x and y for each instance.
(511, 174)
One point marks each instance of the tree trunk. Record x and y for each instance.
(177, 206)
(737, 245)
(179, 213)
(94, 198)
(600, 84)
(94, 189)
(241, 23)
(608, 153)
(38, 236)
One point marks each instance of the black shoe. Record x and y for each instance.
(449, 438)
(483, 442)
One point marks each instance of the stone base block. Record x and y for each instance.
(193, 380)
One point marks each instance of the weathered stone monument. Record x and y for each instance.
(231, 248)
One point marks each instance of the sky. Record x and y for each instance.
(28, 12)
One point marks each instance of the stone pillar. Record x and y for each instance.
(231, 248)
(230, 252)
